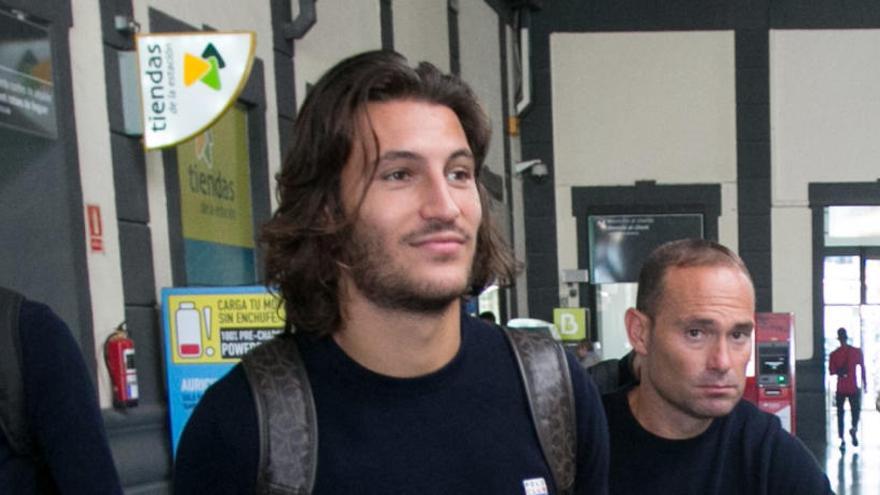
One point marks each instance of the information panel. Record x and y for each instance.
(619, 244)
(206, 332)
(26, 94)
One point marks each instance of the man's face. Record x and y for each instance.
(415, 231)
(698, 345)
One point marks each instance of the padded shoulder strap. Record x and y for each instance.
(285, 417)
(12, 409)
(548, 387)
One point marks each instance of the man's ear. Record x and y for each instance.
(638, 326)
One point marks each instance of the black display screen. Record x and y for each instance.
(772, 359)
(619, 244)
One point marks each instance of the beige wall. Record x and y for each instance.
(642, 106)
(824, 116)
(421, 31)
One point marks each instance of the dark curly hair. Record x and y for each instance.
(303, 240)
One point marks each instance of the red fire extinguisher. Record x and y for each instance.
(119, 356)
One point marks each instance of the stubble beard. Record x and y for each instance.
(387, 284)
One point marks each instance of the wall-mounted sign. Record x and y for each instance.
(619, 244)
(215, 203)
(27, 101)
(571, 323)
(188, 80)
(96, 228)
(206, 332)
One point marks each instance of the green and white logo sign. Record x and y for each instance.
(188, 80)
(571, 323)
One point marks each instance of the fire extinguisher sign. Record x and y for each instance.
(206, 332)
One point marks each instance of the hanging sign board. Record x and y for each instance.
(207, 331)
(188, 80)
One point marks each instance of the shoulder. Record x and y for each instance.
(231, 391)
(39, 325)
(224, 415)
(787, 464)
(50, 356)
(754, 422)
(224, 421)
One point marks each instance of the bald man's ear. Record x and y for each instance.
(638, 326)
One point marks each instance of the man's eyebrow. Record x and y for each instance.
(461, 153)
(703, 322)
(744, 327)
(392, 155)
(709, 322)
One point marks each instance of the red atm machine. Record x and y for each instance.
(773, 385)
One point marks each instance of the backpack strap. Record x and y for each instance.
(547, 381)
(13, 420)
(285, 417)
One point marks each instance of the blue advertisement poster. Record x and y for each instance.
(206, 332)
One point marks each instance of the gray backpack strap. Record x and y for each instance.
(285, 417)
(547, 381)
(13, 420)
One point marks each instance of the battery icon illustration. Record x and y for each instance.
(189, 330)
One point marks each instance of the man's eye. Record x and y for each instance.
(459, 175)
(694, 333)
(396, 175)
(740, 336)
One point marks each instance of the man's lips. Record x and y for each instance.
(440, 243)
(439, 239)
(718, 389)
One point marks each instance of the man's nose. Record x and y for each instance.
(719, 356)
(438, 200)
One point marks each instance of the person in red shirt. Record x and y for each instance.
(842, 363)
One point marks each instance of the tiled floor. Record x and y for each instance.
(855, 471)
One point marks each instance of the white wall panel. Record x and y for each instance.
(344, 28)
(480, 58)
(421, 31)
(825, 109)
(793, 272)
(635, 106)
(96, 177)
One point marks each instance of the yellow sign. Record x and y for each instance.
(571, 323)
(220, 328)
(215, 184)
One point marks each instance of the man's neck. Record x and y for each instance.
(662, 419)
(399, 343)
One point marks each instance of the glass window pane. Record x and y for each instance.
(872, 281)
(852, 226)
(215, 204)
(612, 301)
(488, 301)
(842, 283)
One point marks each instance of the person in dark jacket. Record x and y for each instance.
(684, 428)
(68, 450)
(383, 226)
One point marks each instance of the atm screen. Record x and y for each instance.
(773, 359)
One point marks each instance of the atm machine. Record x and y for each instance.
(772, 388)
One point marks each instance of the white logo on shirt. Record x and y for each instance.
(535, 486)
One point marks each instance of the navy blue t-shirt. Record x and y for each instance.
(745, 452)
(464, 429)
(63, 414)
